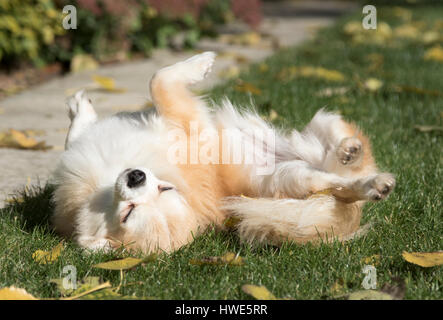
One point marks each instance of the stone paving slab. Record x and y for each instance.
(42, 107)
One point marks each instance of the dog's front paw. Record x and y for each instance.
(349, 151)
(80, 106)
(379, 187)
(199, 66)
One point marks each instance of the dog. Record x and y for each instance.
(132, 180)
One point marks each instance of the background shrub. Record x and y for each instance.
(28, 29)
(31, 30)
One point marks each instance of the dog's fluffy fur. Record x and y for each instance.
(95, 205)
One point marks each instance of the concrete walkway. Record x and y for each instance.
(43, 107)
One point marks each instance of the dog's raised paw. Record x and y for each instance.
(349, 151)
(380, 186)
(80, 106)
(199, 66)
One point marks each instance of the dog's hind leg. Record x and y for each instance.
(347, 151)
(297, 179)
(81, 113)
(170, 94)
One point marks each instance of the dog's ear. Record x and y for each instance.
(81, 113)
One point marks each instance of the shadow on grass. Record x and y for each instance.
(32, 207)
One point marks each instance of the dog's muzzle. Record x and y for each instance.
(136, 178)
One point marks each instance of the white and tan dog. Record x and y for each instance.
(116, 183)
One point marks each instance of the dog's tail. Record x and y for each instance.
(318, 218)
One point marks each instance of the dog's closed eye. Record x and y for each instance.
(162, 188)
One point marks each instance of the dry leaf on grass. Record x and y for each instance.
(13, 293)
(290, 73)
(430, 37)
(372, 260)
(247, 87)
(434, 53)
(84, 291)
(20, 140)
(229, 258)
(258, 292)
(373, 84)
(409, 89)
(428, 128)
(84, 285)
(120, 264)
(424, 259)
(47, 257)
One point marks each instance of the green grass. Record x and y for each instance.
(410, 219)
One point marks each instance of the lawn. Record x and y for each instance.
(405, 92)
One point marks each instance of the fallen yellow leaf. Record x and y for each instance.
(310, 72)
(247, 87)
(44, 257)
(86, 284)
(13, 293)
(89, 291)
(123, 264)
(258, 292)
(417, 90)
(428, 128)
(373, 84)
(435, 53)
(430, 37)
(19, 140)
(373, 260)
(424, 259)
(107, 84)
(229, 258)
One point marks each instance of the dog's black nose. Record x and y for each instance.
(136, 178)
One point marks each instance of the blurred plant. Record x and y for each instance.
(108, 29)
(27, 29)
